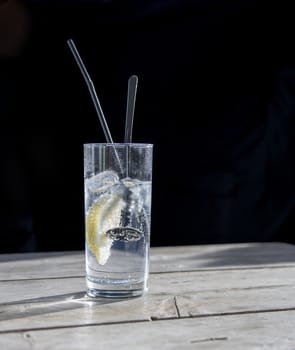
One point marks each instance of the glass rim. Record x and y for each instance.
(118, 144)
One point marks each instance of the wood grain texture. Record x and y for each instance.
(163, 259)
(267, 331)
(62, 302)
(41, 265)
(236, 296)
(223, 256)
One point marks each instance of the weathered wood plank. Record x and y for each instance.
(76, 309)
(163, 259)
(176, 283)
(73, 310)
(41, 265)
(202, 281)
(273, 330)
(61, 302)
(223, 256)
(236, 301)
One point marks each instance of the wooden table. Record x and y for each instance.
(237, 296)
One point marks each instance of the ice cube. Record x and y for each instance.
(102, 181)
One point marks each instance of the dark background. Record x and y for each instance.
(215, 97)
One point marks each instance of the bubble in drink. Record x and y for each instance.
(117, 228)
(118, 183)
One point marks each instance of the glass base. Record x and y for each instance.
(116, 294)
(117, 289)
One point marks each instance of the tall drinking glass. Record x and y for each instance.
(118, 185)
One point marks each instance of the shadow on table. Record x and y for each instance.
(48, 305)
(258, 254)
(224, 257)
(38, 255)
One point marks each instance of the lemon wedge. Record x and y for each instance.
(102, 216)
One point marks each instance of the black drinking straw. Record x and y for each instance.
(92, 91)
(131, 98)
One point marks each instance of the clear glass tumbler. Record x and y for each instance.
(118, 186)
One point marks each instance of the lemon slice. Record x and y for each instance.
(102, 216)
